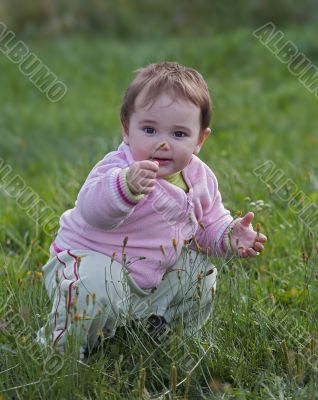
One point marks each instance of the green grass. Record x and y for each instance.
(264, 323)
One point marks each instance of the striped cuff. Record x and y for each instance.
(124, 191)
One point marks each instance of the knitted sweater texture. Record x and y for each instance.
(146, 234)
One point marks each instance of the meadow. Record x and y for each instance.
(261, 341)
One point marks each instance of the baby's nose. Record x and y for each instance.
(163, 146)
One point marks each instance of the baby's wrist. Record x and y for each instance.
(128, 189)
(228, 244)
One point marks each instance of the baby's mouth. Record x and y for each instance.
(162, 160)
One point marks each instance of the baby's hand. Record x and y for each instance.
(141, 176)
(245, 241)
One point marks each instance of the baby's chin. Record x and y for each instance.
(164, 174)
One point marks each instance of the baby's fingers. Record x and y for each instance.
(242, 252)
(261, 238)
(246, 252)
(149, 186)
(249, 252)
(147, 190)
(149, 165)
(258, 247)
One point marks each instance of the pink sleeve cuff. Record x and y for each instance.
(123, 189)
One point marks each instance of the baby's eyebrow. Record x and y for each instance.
(148, 121)
(181, 127)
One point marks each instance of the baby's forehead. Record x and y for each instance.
(163, 98)
(167, 111)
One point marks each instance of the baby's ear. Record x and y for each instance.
(202, 138)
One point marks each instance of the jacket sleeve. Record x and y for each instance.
(215, 220)
(105, 200)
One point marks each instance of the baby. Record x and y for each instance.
(137, 243)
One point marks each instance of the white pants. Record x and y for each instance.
(95, 293)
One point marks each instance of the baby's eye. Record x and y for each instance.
(180, 134)
(149, 130)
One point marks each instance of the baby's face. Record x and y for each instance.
(173, 123)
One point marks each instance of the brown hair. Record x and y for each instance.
(181, 81)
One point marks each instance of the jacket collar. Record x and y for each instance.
(126, 149)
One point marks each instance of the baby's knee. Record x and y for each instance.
(104, 277)
(91, 277)
(96, 266)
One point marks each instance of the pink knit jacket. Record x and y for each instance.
(155, 226)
